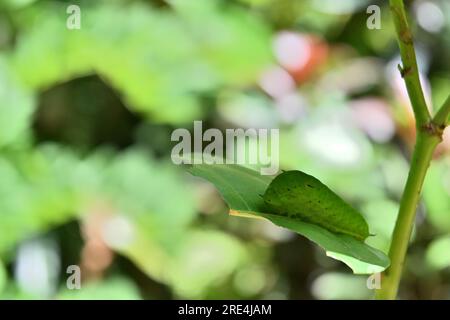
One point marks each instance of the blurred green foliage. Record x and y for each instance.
(85, 123)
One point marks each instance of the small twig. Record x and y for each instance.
(441, 119)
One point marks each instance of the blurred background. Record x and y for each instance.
(86, 116)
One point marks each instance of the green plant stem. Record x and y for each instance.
(409, 70)
(423, 152)
(441, 118)
(429, 134)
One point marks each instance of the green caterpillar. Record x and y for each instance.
(298, 195)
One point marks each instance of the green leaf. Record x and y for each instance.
(240, 187)
(242, 190)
